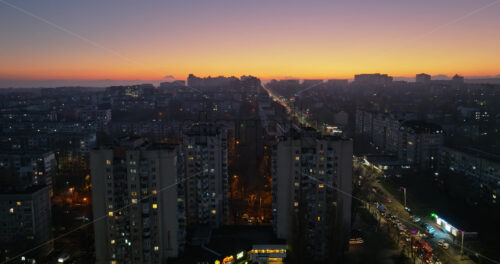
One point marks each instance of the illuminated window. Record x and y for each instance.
(134, 201)
(112, 242)
(297, 158)
(319, 218)
(296, 204)
(155, 206)
(321, 186)
(108, 162)
(110, 213)
(296, 184)
(133, 171)
(410, 143)
(134, 194)
(214, 212)
(157, 248)
(153, 191)
(11, 210)
(18, 203)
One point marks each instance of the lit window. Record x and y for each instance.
(18, 203)
(297, 184)
(110, 213)
(319, 218)
(157, 248)
(112, 242)
(297, 158)
(191, 158)
(134, 194)
(296, 204)
(134, 201)
(155, 206)
(214, 212)
(321, 186)
(108, 162)
(153, 191)
(11, 210)
(133, 171)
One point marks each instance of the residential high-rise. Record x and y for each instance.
(312, 182)
(137, 187)
(205, 149)
(421, 144)
(30, 167)
(25, 219)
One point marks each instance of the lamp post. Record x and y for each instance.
(462, 247)
(404, 191)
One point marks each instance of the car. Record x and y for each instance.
(356, 241)
(63, 257)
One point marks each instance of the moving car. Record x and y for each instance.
(63, 257)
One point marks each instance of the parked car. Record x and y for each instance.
(443, 244)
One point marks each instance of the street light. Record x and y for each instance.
(462, 247)
(404, 191)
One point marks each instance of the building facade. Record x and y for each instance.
(25, 219)
(312, 178)
(205, 149)
(138, 188)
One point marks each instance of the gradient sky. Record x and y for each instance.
(132, 39)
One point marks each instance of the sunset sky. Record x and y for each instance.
(132, 39)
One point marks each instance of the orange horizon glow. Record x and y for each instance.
(313, 39)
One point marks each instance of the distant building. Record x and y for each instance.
(415, 143)
(138, 188)
(173, 84)
(422, 78)
(421, 144)
(480, 167)
(205, 149)
(30, 167)
(375, 78)
(312, 178)
(25, 219)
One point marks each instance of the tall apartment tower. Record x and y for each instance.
(137, 187)
(312, 184)
(25, 220)
(205, 149)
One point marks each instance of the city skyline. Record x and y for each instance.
(313, 40)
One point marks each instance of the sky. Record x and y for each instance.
(74, 41)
